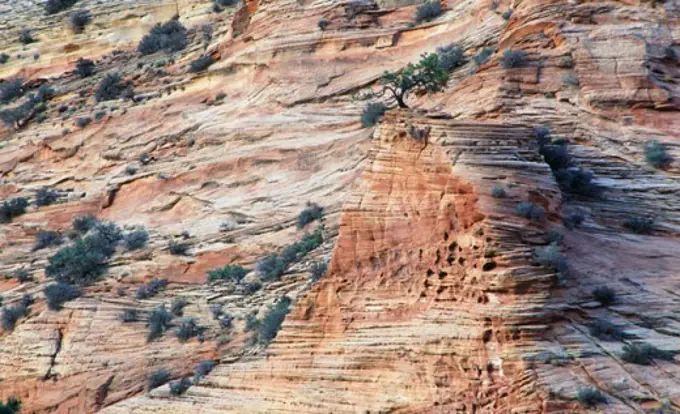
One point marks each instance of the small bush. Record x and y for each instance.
(55, 6)
(498, 192)
(81, 263)
(554, 236)
(451, 57)
(12, 314)
(318, 270)
(657, 155)
(129, 315)
(151, 289)
(252, 323)
(84, 67)
(550, 257)
(233, 273)
(608, 331)
(513, 58)
(169, 37)
(83, 122)
(26, 37)
(530, 211)
(574, 220)
(135, 239)
(428, 11)
(577, 181)
(11, 89)
(216, 310)
(79, 20)
(82, 224)
(507, 14)
(226, 3)
(644, 354)
(590, 397)
(310, 213)
(220, 96)
(272, 321)
(157, 379)
(46, 239)
(45, 197)
(99, 115)
(187, 329)
(178, 248)
(323, 24)
(605, 295)
(12, 406)
(201, 63)
(159, 322)
(202, 369)
(372, 113)
(22, 275)
(4, 58)
(180, 387)
(178, 305)
(58, 294)
(252, 287)
(570, 79)
(566, 62)
(483, 56)
(109, 88)
(274, 266)
(13, 208)
(639, 225)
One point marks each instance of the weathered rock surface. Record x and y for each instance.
(431, 302)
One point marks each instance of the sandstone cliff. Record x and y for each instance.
(433, 300)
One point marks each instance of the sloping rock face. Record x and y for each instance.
(433, 300)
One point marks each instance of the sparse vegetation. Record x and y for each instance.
(216, 310)
(657, 155)
(135, 239)
(574, 220)
(450, 57)
(202, 369)
(507, 14)
(605, 295)
(530, 211)
(83, 121)
(4, 58)
(79, 20)
(129, 315)
(11, 89)
(644, 354)
(25, 37)
(45, 197)
(46, 239)
(272, 321)
(201, 63)
(607, 331)
(178, 305)
(82, 224)
(232, 273)
(513, 58)
(590, 397)
(158, 378)
(372, 113)
(180, 387)
(322, 24)
(566, 62)
(570, 79)
(12, 314)
(272, 267)
(12, 406)
(577, 180)
(550, 257)
(110, 88)
(151, 289)
(59, 293)
(428, 11)
(483, 56)
(85, 67)
(22, 275)
(159, 322)
(318, 270)
(187, 329)
(169, 37)
(639, 225)
(81, 263)
(309, 214)
(12, 208)
(178, 248)
(55, 6)
(498, 192)
(425, 76)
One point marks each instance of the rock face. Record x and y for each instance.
(439, 296)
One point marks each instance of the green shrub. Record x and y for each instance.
(169, 37)
(605, 295)
(310, 213)
(252, 287)
(4, 58)
(274, 266)
(46, 239)
(158, 378)
(590, 397)
(322, 24)
(79, 20)
(55, 6)
(135, 239)
(428, 11)
(22, 275)
(318, 270)
(187, 329)
(83, 121)
(608, 331)
(12, 406)
(372, 113)
(79, 263)
(550, 257)
(84, 67)
(232, 273)
(570, 79)
(178, 305)
(577, 181)
(450, 57)
(11, 89)
(59, 293)
(201, 63)
(513, 58)
(483, 56)
(566, 62)
(151, 289)
(13, 208)
(498, 192)
(45, 197)
(110, 87)
(226, 3)
(252, 323)
(507, 14)
(159, 322)
(129, 315)
(426, 76)
(180, 387)
(574, 220)
(530, 211)
(272, 321)
(12, 314)
(657, 155)
(26, 37)
(202, 369)
(644, 354)
(82, 224)
(639, 225)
